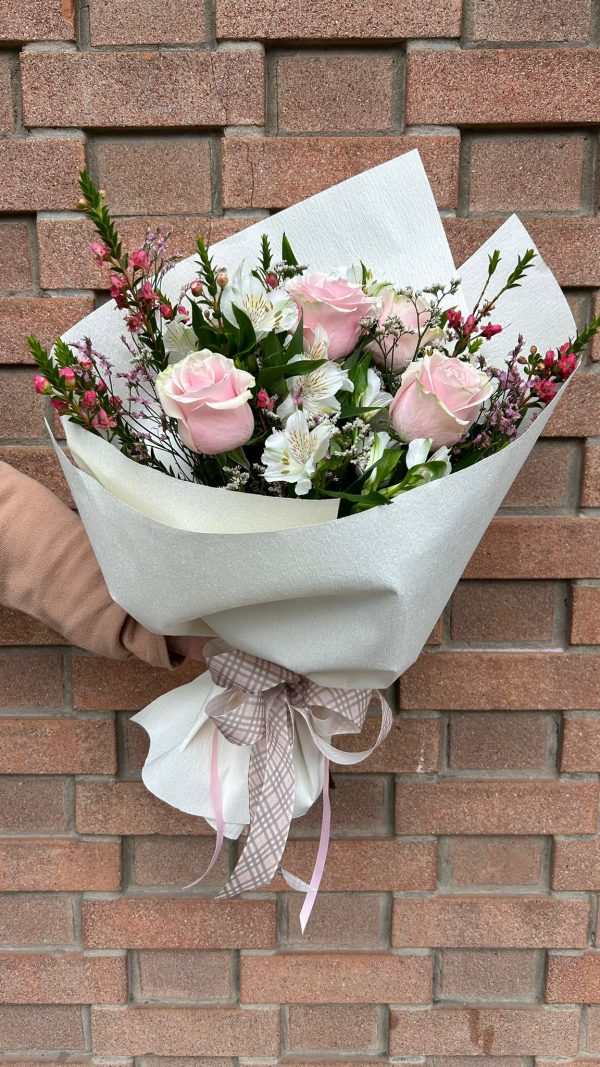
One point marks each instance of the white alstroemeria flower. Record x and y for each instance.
(315, 392)
(292, 454)
(179, 340)
(267, 310)
(380, 442)
(372, 287)
(418, 452)
(373, 396)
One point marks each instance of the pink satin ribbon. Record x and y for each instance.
(257, 708)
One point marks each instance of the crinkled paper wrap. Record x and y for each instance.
(347, 602)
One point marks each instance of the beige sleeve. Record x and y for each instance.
(48, 570)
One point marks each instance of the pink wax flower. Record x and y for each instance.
(147, 292)
(41, 384)
(101, 252)
(264, 402)
(68, 374)
(567, 364)
(454, 318)
(59, 405)
(208, 395)
(90, 398)
(140, 259)
(336, 305)
(440, 397)
(490, 330)
(103, 421)
(546, 390)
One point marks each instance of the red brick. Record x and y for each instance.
(184, 1032)
(547, 478)
(39, 462)
(184, 976)
(412, 745)
(580, 748)
(355, 93)
(503, 611)
(576, 864)
(359, 808)
(103, 685)
(577, 412)
(19, 629)
(177, 174)
(490, 922)
(569, 245)
(132, 22)
(57, 746)
(539, 20)
(349, 978)
(155, 924)
(59, 865)
(7, 118)
(505, 806)
(490, 975)
(40, 174)
(25, 1028)
(31, 679)
(16, 271)
(573, 978)
(585, 615)
(338, 920)
(45, 318)
(66, 260)
(594, 348)
(274, 172)
(526, 173)
(524, 87)
(128, 808)
(21, 411)
(30, 806)
(502, 680)
(590, 489)
(494, 861)
(500, 741)
(472, 1031)
(28, 920)
(176, 861)
(335, 1028)
(533, 547)
(316, 20)
(592, 1043)
(361, 866)
(31, 21)
(164, 88)
(68, 978)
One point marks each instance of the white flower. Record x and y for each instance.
(267, 310)
(179, 340)
(381, 441)
(292, 454)
(418, 452)
(372, 286)
(315, 392)
(373, 396)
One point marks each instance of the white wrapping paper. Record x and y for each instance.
(347, 602)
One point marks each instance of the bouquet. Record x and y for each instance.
(246, 426)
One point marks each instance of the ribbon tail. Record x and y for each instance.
(272, 784)
(321, 859)
(217, 801)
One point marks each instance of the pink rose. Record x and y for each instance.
(397, 352)
(440, 397)
(209, 396)
(338, 306)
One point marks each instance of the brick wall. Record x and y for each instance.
(459, 911)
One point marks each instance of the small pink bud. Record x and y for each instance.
(271, 280)
(183, 312)
(222, 279)
(90, 398)
(41, 384)
(167, 312)
(196, 288)
(68, 374)
(59, 405)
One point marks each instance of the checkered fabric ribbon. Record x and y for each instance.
(258, 708)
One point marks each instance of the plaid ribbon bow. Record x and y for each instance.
(258, 708)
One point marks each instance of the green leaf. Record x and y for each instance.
(586, 335)
(272, 350)
(269, 375)
(265, 254)
(287, 254)
(295, 347)
(493, 261)
(247, 333)
(368, 500)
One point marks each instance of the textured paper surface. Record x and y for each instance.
(348, 602)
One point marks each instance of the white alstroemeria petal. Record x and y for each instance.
(417, 451)
(268, 310)
(291, 455)
(314, 392)
(442, 456)
(381, 441)
(179, 340)
(373, 396)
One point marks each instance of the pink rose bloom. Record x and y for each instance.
(338, 306)
(209, 397)
(440, 397)
(399, 351)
